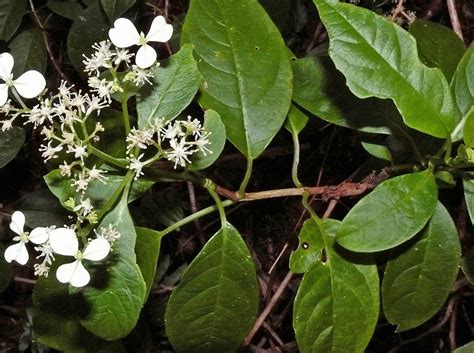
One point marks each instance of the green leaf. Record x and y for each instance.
(462, 86)
(212, 124)
(117, 291)
(391, 214)
(5, 271)
(378, 151)
(296, 121)
(467, 265)
(29, 51)
(418, 281)
(468, 185)
(246, 69)
(438, 46)
(214, 306)
(337, 304)
(311, 242)
(320, 89)
(41, 209)
(11, 14)
(98, 192)
(469, 129)
(91, 26)
(115, 8)
(147, 249)
(10, 143)
(69, 9)
(379, 59)
(467, 348)
(175, 85)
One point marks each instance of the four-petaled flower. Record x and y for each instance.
(63, 241)
(18, 251)
(124, 35)
(28, 85)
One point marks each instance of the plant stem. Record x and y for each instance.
(212, 191)
(126, 117)
(197, 215)
(108, 158)
(296, 160)
(245, 181)
(18, 98)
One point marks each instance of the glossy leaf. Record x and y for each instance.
(337, 304)
(391, 214)
(462, 86)
(296, 120)
(438, 46)
(41, 209)
(91, 26)
(246, 69)
(467, 348)
(378, 151)
(214, 306)
(418, 281)
(212, 124)
(147, 249)
(69, 9)
(320, 89)
(469, 129)
(115, 8)
(29, 51)
(379, 59)
(468, 185)
(117, 291)
(311, 242)
(11, 14)
(467, 265)
(10, 143)
(175, 85)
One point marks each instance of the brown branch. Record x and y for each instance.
(453, 15)
(331, 192)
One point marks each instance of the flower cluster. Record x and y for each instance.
(60, 241)
(175, 141)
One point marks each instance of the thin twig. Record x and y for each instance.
(453, 15)
(397, 10)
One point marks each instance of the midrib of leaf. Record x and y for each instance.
(394, 69)
(239, 83)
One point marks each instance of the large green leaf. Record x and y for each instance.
(147, 249)
(70, 9)
(379, 59)
(337, 304)
(91, 26)
(11, 14)
(10, 144)
(214, 306)
(29, 51)
(296, 120)
(115, 8)
(246, 69)
(176, 83)
(117, 291)
(417, 282)
(468, 185)
(469, 129)
(41, 209)
(462, 86)
(391, 214)
(321, 89)
(438, 46)
(467, 348)
(311, 242)
(213, 125)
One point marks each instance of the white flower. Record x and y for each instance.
(136, 165)
(63, 241)
(18, 251)
(28, 85)
(124, 35)
(179, 152)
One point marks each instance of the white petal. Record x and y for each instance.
(124, 34)
(97, 249)
(3, 93)
(63, 241)
(6, 65)
(39, 235)
(160, 31)
(30, 84)
(146, 56)
(73, 273)
(18, 222)
(17, 252)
